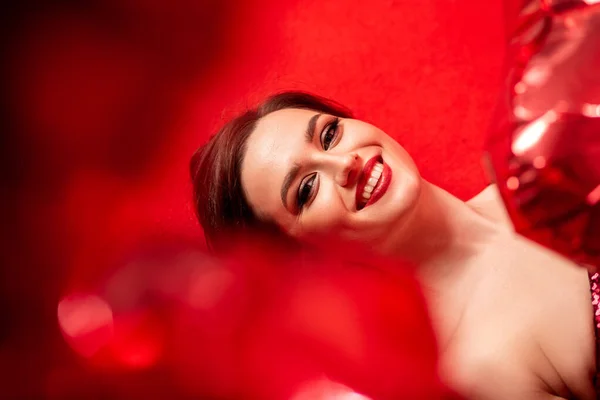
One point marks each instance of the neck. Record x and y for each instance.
(441, 237)
(441, 231)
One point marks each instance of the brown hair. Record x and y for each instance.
(219, 198)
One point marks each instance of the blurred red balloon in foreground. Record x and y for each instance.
(266, 322)
(325, 389)
(545, 145)
(86, 322)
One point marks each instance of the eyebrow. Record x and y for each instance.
(310, 128)
(287, 183)
(295, 170)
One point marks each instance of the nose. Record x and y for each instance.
(344, 168)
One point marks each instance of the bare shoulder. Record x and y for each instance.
(489, 204)
(527, 332)
(492, 374)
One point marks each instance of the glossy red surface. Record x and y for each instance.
(544, 149)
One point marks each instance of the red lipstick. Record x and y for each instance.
(380, 187)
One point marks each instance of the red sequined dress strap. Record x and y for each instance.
(595, 289)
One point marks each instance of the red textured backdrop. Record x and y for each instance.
(123, 109)
(108, 102)
(426, 72)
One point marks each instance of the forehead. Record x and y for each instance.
(277, 142)
(280, 130)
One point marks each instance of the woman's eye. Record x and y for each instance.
(329, 133)
(305, 191)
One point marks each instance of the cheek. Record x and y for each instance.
(321, 220)
(325, 221)
(398, 152)
(337, 223)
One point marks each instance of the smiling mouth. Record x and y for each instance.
(373, 182)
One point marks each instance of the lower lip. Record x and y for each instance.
(382, 185)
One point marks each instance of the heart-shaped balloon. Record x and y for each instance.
(544, 146)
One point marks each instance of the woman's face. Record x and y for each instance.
(316, 175)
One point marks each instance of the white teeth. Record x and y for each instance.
(375, 175)
(372, 182)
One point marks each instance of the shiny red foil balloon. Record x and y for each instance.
(544, 147)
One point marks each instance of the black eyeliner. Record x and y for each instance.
(334, 124)
(299, 202)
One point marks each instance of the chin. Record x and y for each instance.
(403, 196)
(387, 218)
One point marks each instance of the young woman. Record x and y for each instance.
(513, 320)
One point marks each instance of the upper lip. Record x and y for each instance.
(364, 176)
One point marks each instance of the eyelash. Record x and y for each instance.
(305, 190)
(332, 126)
(306, 187)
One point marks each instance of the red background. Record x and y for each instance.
(114, 106)
(426, 72)
(113, 100)
(108, 101)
